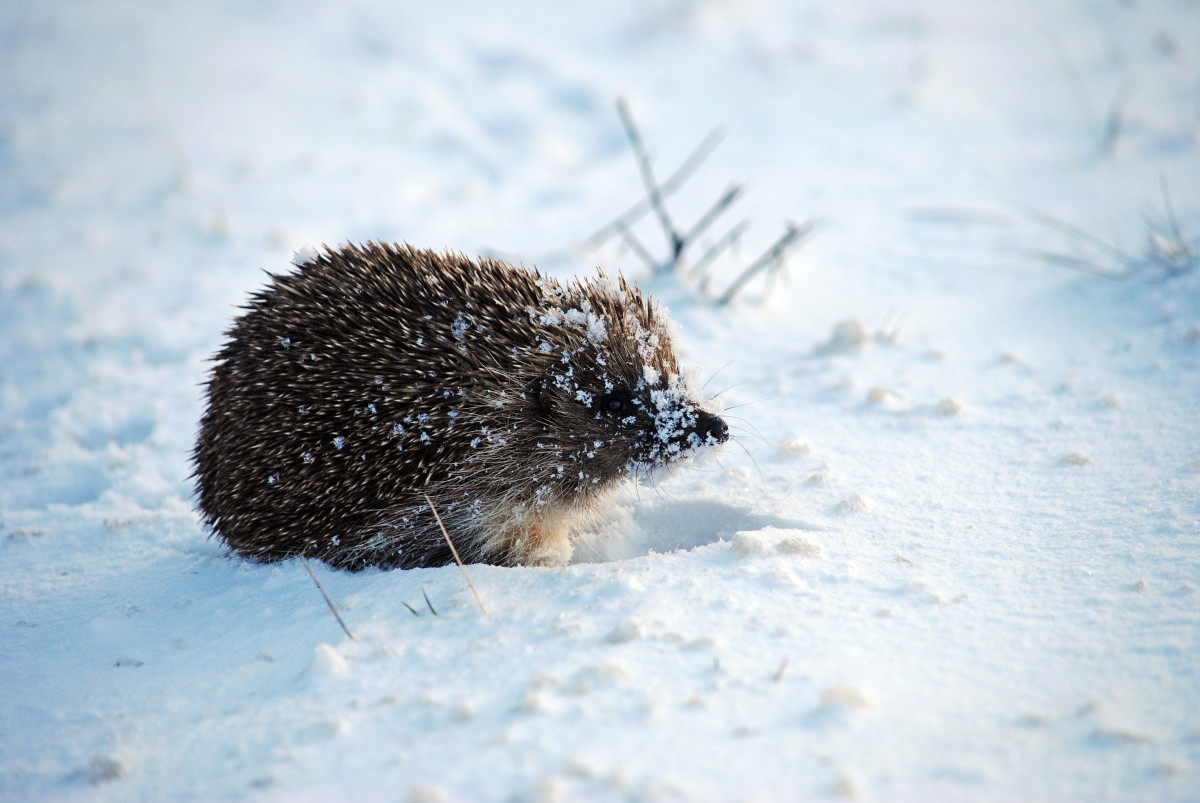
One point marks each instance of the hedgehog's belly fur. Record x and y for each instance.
(413, 540)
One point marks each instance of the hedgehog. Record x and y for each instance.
(377, 384)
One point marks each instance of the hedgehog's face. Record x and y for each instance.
(611, 415)
(656, 423)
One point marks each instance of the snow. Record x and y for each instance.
(953, 554)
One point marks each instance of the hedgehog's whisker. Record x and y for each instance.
(752, 460)
(724, 390)
(718, 371)
(745, 404)
(748, 433)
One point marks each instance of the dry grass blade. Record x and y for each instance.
(1167, 252)
(666, 189)
(730, 195)
(717, 248)
(680, 241)
(1113, 125)
(328, 601)
(432, 609)
(775, 254)
(636, 246)
(454, 552)
(653, 193)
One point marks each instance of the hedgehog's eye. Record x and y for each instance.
(615, 402)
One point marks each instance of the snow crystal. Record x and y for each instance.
(458, 329)
(339, 442)
(305, 254)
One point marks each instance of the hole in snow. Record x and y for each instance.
(631, 529)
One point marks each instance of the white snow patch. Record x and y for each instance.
(985, 622)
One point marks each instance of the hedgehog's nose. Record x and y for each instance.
(712, 429)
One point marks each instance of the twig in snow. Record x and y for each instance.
(773, 258)
(653, 193)
(779, 673)
(666, 189)
(714, 250)
(328, 601)
(454, 552)
(1074, 79)
(636, 246)
(1110, 132)
(1112, 125)
(411, 609)
(727, 198)
(680, 240)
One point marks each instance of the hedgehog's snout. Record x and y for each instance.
(711, 429)
(695, 429)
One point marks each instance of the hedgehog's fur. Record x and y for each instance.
(375, 375)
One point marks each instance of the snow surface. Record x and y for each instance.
(954, 554)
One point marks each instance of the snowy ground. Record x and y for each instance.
(957, 560)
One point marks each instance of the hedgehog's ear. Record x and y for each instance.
(543, 401)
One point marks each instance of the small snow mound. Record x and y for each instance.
(844, 787)
(1117, 736)
(847, 336)
(321, 730)
(746, 543)
(425, 793)
(737, 473)
(627, 630)
(1076, 459)
(104, 768)
(305, 254)
(794, 545)
(600, 675)
(327, 661)
(948, 407)
(793, 447)
(851, 504)
(844, 698)
(878, 395)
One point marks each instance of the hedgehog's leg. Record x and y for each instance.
(541, 541)
(547, 545)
